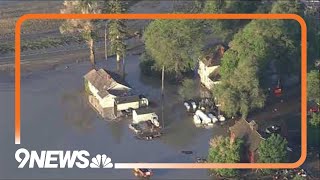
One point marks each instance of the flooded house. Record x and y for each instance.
(104, 88)
(248, 132)
(209, 66)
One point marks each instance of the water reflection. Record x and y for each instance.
(117, 130)
(77, 111)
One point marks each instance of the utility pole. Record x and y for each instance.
(162, 96)
(105, 43)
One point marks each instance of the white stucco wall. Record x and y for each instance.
(204, 73)
(124, 106)
(107, 101)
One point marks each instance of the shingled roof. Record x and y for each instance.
(248, 132)
(214, 58)
(104, 81)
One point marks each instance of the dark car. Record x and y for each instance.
(273, 129)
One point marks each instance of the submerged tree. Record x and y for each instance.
(225, 150)
(86, 28)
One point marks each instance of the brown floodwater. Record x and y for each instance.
(55, 116)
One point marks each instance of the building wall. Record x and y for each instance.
(204, 73)
(107, 101)
(124, 106)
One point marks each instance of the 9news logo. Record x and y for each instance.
(61, 159)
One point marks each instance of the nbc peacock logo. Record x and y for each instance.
(101, 161)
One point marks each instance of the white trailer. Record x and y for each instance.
(139, 115)
(196, 120)
(130, 102)
(204, 118)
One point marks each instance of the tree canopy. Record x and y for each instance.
(313, 83)
(225, 29)
(240, 92)
(174, 44)
(117, 29)
(86, 28)
(273, 150)
(223, 150)
(188, 89)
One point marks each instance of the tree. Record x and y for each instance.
(273, 150)
(225, 29)
(240, 91)
(117, 30)
(173, 44)
(223, 150)
(189, 89)
(313, 82)
(315, 119)
(86, 28)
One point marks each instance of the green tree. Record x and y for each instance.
(117, 30)
(240, 92)
(189, 89)
(313, 82)
(298, 177)
(86, 28)
(173, 44)
(273, 150)
(315, 119)
(225, 29)
(223, 150)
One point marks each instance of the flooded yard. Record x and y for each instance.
(56, 116)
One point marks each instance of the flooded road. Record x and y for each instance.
(56, 116)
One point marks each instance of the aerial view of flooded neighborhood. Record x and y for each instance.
(161, 90)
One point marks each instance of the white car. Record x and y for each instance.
(212, 117)
(186, 104)
(194, 105)
(221, 118)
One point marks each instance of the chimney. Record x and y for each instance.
(253, 125)
(232, 138)
(221, 50)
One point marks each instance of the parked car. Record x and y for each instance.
(203, 117)
(213, 118)
(273, 129)
(193, 105)
(221, 118)
(187, 106)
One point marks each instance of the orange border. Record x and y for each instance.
(179, 16)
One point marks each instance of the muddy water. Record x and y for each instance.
(55, 116)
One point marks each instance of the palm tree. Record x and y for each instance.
(86, 28)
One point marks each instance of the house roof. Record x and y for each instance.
(214, 55)
(127, 99)
(144, 111)
(243, 129)
(104, 81)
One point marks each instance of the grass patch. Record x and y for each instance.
(42, 43)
